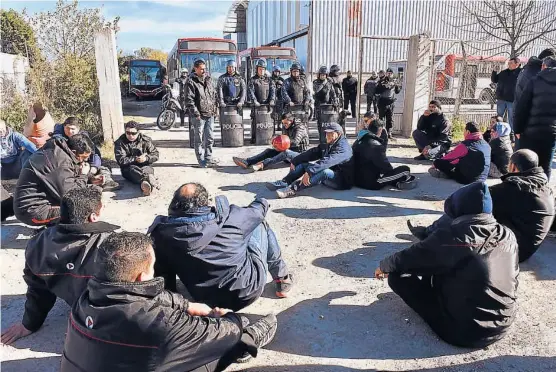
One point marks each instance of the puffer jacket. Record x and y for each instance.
(299, 137)
(201, 96)
(370, 161)
(472, 156)
(531, 69)
(208, 250)
(58, 263)
(337, 156)
(231, 89)
(535, 111)
(126, 151)
(474, 267)
(505, 81)
(524, 202)
(140, 327)
(500, 152)
(370, 87)
(438, 129)
(44, 179)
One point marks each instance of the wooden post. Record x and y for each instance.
(109, 84)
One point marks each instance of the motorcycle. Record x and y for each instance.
(170, 107)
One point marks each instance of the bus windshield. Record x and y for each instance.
(145, 73)
(216, 62)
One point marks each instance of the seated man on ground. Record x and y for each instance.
(49, 174)
(368, 118)
(98, 175)
(60, 260)
(468, 162)
(221, 253)
(372, 170)
(135, 153)
(125, 320)
(524, 202)
(299, 141)
(500, 143)
(333, 166)
(433, 135)
(462, 279)
(15, 149)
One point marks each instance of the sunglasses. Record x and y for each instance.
(131, 133)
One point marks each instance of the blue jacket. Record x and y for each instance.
(208, 250)
(231, 89)
(11, 144)
(336, 156)
(95, 158)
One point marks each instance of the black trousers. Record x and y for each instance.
(386, 112)
(137, 174)
(350, 101)
(452, 171)
(371, 101)
(544, 147)
(392, 177)
(246, 343)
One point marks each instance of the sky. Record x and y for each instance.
(155, 24)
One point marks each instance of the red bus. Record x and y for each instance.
(274, 56)
(216, 52)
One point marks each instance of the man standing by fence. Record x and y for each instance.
(505, 81)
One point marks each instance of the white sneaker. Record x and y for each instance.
(285, 192)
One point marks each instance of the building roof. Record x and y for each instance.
(236, 19)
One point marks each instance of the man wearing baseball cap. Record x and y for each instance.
(330, 164)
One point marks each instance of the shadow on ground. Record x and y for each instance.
(543, 262)
(15, 234)
(330, 331)
(47, 364)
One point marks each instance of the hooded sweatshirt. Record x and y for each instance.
(501, 146)
(472, 156)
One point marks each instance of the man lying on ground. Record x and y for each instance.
(468, 162)
(498, 137)
(60, 260)
(333, 166)
(433, 135)
(59, 167)
(135, 153)
(299, 141)
(462, 279)
(221, 253)
(126, 321)
(372, 170)
(98, 174)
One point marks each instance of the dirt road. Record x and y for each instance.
(337, 319)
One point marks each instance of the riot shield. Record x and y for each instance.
(326, 114)
(231, 127)
(263, 124)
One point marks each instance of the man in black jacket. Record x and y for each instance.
(349, 86)
(372, 170)
(221, 253)
(505, 88)
(182, 84)
(531, 69)
(535, 115)
(462, 279)
(135, 153)
(125, 321)
(524, 202)
(279, 107)
(60, 260)
(333, 166)
(201, 105)
(433, 135)
(60, 166)
(299, 141)
(369, 90)
(323, 94)
(386, 90)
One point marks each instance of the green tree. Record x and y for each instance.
(17, 35)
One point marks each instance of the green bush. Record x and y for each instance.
(14, 107)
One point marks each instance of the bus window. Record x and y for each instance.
(218, 64)
(284, 64)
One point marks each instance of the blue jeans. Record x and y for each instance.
(270, 157)
(502, 107)
(203, 138)
(327, 177)
(264, 246)
(12, 170)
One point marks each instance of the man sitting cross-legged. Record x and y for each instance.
(373, 171)
(299, 141)
(125, 320)
(60, 260)
(221, 253)
(462, 279)
(333, 166)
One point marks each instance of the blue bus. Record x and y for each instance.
(147, 78)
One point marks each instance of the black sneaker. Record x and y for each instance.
(111, 186)
(408, 184)
(283, 286)
(419, 232)
(420, 157)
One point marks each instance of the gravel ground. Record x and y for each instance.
(337, 319)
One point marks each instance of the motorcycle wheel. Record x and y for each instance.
(165, 119)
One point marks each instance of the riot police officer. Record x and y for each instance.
(334, 77)
(261, 91)
(278, 108)
(323, 94)
(369, 90)
(295, 90)
(386, 89)
(230, 89)
(182, 81)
